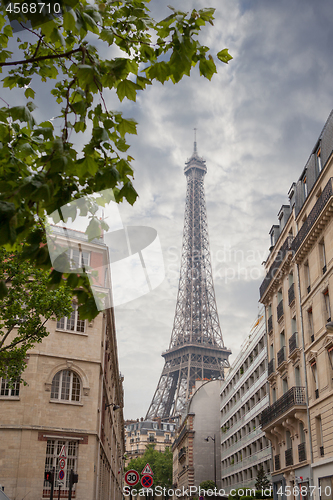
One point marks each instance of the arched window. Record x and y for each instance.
(66, 386)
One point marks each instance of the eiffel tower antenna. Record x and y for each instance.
(196, 348)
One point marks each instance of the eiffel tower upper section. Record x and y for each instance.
(196, 348)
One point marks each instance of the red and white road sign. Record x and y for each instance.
(147, 470)
(62, 463)
(147, 481)
(132, 477)
(62, 453)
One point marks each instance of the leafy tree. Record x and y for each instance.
(160, 462)
(207, 485)
(40, 169)
(262, 481)
(24, 310)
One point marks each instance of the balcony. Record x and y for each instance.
(277, 465)
(291, 294)
(301, 452)
(182, 453)
(303, 233)
(276, 264)
(270, 324)
(293, 343)
(294, 397)
(251, 460)
(279, 310)
(289, 457)
(271, 368)
(281, 356)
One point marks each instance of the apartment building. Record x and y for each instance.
(141, 433)
(297, 294)
(196, 450)
(72, 403)
(243, 397)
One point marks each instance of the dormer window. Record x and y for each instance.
(318, 159)
(305, 187)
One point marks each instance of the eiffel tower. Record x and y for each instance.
(196, 348)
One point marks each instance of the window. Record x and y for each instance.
(290, 279)
(285, 385)
(66, 386)
(326, 487)
(315, 378)
(297, 377)
(273, 395)
(307, 277)
(322, 255)
(53, 450)
(319, 433)
(318, 160)
(327, 309)
(293, 325)
(7, 389)
(305, 187)
(78, 258)
(310, 325)
(72, 323)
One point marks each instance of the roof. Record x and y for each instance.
(3, 495)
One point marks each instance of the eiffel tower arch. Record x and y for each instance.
(196, 348)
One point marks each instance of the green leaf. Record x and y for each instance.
(29, 93)
(88, 166)
(3, 289)
(224, 56)
(127, 127)
(207, 68)
(69, 19)
(128, 192)
(127, 88)
(107, 36)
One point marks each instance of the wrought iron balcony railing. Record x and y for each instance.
(182, 453)
(301, 452)
(313, 215)
(289, 457)
(276, 264)
(293, 343)
(277, 465)
(291, 294)
(281, 355)
(271, 367)
(294, 397)
(280, 310)
(270, 323)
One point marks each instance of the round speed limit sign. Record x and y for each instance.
(132, 477)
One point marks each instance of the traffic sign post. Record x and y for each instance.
(132, 477)
(147, 481)
(147, 470)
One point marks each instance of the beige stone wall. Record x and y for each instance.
(93, 356)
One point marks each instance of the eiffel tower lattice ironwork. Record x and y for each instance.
(196, 348)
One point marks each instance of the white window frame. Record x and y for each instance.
(81, 253)
(13, 392)
(53, 449)
(62, 390)
(78, 323)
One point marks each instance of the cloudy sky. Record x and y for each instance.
(257, 122)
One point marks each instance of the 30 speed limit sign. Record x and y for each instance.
(132, 477)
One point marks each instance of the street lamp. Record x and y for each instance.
(213, 439)
(329, 326)
(114, 406)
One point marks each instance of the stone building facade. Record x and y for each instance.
(196, 456)
(72, 376)
(297, 295)
(141, 433)
(244, 396)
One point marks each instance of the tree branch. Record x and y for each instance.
(41, 58)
